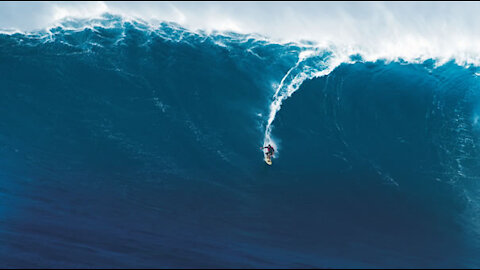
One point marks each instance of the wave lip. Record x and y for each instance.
(411, 31)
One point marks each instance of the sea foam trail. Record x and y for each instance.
(312, 63)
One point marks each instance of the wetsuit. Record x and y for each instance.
(270, 150)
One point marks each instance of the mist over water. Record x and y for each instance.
(390, 30)
(135, 142)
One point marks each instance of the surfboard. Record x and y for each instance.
(268, 160)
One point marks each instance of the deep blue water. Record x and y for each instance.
(126, 146)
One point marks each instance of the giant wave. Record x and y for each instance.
(127, 145)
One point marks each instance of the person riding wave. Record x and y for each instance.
(270, 150)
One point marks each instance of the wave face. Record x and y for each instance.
(124, 145)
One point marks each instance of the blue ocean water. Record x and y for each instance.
(123, 145)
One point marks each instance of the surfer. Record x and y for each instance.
(270, 150)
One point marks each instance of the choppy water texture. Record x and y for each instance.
(123, 145)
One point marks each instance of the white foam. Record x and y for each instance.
(312, 63)
(412, 31)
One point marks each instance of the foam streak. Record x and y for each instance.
(311, 64)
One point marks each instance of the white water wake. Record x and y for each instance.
(312, 63)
